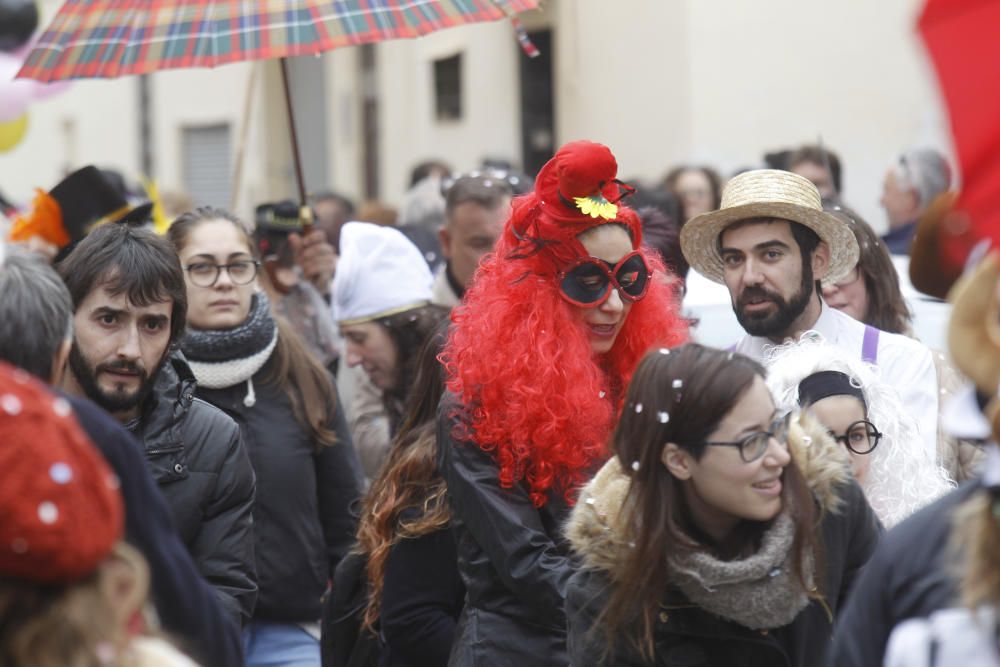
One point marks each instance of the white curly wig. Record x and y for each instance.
(901, 478)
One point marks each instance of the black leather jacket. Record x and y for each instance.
(195, 454)
(511, 555)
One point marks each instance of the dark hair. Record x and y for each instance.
(329, 195)
(408, 331)
(128, 260)
(817, 155)
(426, 168)
(32, 299)
(698, 386)
(887, 309)
(410, 478)
(294, 369)
(663, 234)
(484, 190)
(714, 180)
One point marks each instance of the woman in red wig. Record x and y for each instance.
(556, 320)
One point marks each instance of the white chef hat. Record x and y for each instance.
(380, 273)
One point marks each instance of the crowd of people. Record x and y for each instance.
(479, 431)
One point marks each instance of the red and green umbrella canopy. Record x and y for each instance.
(112, 38)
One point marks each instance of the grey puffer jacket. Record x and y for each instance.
(196, 455)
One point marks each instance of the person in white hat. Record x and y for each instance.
(382, 295)
(772, 245)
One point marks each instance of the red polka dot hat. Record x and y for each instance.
(60, 510)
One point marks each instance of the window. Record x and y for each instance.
(206, 164)
(448, 88)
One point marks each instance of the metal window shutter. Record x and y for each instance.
(207, 169)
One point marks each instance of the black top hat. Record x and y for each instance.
(78, 203)
(86, 198)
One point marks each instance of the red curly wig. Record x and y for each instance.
(519, 358)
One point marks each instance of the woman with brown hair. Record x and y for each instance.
(720, 533)
(382, 304)
(253, 366)
(870, 293)
(414, 591)
(698, 189)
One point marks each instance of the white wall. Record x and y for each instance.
(623, 78)
(490, 123)
(92, 122)
(773, 75)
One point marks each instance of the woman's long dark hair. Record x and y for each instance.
(410, 477)
(696, 386)
(294, 369)
(408, 331)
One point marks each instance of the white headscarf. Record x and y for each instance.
(380, 273)
(902, 478)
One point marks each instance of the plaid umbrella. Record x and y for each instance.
(112, 38)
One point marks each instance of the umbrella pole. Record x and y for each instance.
(305, 214)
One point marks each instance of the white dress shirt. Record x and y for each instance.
(902, 363)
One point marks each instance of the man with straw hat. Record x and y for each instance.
(772, 245)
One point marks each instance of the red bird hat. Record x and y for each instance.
(575, 191)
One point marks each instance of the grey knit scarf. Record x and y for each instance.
(758, 592)
(245, 340)
(227, 357)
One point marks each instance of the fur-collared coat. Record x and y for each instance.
(688, 635)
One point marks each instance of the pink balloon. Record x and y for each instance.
(17, 94)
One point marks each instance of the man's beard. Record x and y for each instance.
(118, 400)
(777, 323)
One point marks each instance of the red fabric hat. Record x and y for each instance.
(60, 510)
(575, 191)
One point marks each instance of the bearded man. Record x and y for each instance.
(772, 245)
(130, 302)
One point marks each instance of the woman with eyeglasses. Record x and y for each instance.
(253, 366)
(723, 532)
(866, 417)
(870, 293)
(537, 360)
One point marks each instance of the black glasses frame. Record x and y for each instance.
(218, 272)
(778, 431)
(875, 437)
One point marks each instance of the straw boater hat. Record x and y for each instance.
(767, 193)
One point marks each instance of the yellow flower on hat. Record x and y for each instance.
(596, 206)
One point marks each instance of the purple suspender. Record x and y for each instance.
(869, 346)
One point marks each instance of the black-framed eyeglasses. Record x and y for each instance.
(755, 445)
(206, 274)
(861, 437)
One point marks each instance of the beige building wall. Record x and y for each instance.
(490, 123)
(660, 81)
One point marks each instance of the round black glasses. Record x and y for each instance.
(206, 274)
